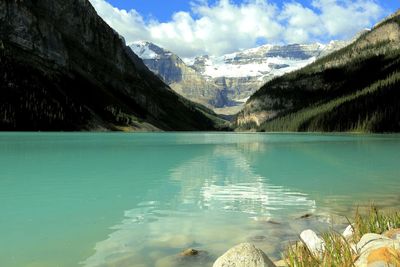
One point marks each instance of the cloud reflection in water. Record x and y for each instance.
(214, 200)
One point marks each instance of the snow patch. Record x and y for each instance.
(219, 67)
(142, 50)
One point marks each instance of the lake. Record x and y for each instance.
(118, 199)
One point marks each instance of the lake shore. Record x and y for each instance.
(371, 240)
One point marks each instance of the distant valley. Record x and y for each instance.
(224, 83)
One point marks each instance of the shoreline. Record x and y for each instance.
(372, 239)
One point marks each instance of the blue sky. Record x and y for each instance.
(163, 12)
(216, 27)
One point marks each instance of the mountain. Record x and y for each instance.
(64, 68)
(353, 89)
(182, 78)
(224, 83)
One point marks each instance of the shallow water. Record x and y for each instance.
(114, 199)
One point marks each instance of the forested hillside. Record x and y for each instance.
(353, 89)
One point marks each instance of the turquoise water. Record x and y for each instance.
(114, 199)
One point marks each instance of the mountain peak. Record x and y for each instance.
(148, 50)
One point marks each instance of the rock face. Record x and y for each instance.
(228, 80)
(244, 255)
(352, 89)
(184, 80)
(64, 68)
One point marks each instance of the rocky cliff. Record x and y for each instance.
(183, 79)
(64, 68)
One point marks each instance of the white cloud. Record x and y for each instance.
(344, 18)
(226, 27)
(302, 23)
(129, 24)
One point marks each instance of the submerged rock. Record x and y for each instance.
(188, 257)
(314, 243)
(189, 252)
(305, 216)
(273, 222)
(244, 255)
(269, 221)
(257, 238)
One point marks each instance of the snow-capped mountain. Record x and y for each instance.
(224, 83)
(267, 59)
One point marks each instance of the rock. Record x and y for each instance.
(385, 256)
(348, 232)
(380, 264)
(257, 238)
(305, 216)
(376, 250)
(280, 263)
(393, 234)
(314, 243)
(273, 222)
(353, 247)
(244, 255)
(189, 252)
(371, 240)
(188, 257)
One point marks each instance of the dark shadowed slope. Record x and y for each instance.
(354, 89)
(63, 68)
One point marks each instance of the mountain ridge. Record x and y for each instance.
(67, 71)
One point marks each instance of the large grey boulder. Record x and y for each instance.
(244, 255)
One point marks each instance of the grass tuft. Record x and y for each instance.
(374, 222)
(338, 250)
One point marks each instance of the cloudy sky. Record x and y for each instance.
(215, 27)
